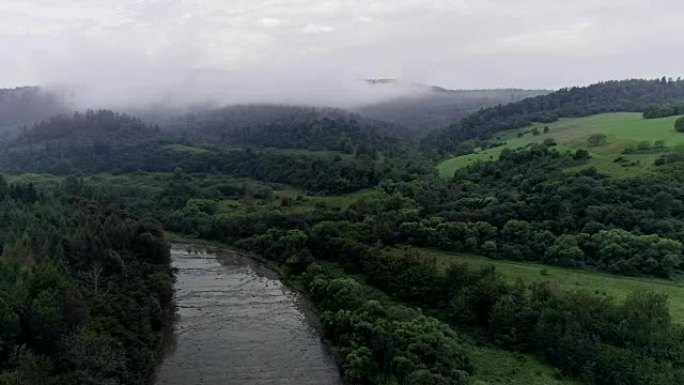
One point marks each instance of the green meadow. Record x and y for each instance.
(622, 130)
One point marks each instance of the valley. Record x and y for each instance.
(546, 253)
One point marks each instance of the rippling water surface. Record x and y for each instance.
(239, 324)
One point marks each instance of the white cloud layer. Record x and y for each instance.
(453, 43)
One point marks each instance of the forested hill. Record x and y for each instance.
(626, 95)
(90, 141)
(91, 126)
(434, 108)
(286, 127)
(26, 105)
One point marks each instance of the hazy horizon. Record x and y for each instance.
(314, 52)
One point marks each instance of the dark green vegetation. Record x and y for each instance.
(85, 291)
(286, 128)
(333, 199)
(99, 141)
(655, 111)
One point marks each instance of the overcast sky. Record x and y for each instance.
(451, 43)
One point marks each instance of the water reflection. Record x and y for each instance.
(238, 324)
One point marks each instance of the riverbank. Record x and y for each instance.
(511, 368)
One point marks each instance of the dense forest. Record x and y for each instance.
(287, 127)
(86, 293)
(627, 95)
(346, 208)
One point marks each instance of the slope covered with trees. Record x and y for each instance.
(287, 127)
(627, 95)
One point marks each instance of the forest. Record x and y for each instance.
(86, 292)
(348, 209)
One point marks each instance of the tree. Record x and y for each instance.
(679, 125)
(596, 140)
(581, 154)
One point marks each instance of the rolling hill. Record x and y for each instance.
(613, 96)
(431, 108)
(644, 140)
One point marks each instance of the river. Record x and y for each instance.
(239, 324)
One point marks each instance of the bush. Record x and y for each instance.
(679, 125)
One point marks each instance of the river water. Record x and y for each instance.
(239, 324)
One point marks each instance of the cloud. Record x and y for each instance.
(317, 28)
(457, 44)
(271, 22)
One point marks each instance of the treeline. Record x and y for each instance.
(86, 293)
(627, 95)
(655, 111)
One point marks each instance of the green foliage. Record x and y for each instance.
(381, 344)
(596, 140)
(655, 111)
(679, 125)
(85, 298)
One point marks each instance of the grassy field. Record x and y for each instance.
(622, 130)
(593, 281)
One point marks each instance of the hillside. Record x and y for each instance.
(630, 147)
(286, 127)
(432, 108)
(612, 96)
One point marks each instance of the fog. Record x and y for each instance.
(135, 53)
(209, 89)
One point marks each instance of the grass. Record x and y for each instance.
(597, 282)
(622, 130)
(497, 366)
(40, 181)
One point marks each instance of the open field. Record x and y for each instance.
(594, 281)
(622, 130)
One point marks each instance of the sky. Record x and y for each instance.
(313, 43)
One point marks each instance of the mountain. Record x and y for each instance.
(429, 108)
(633, 95)
(90, 141)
